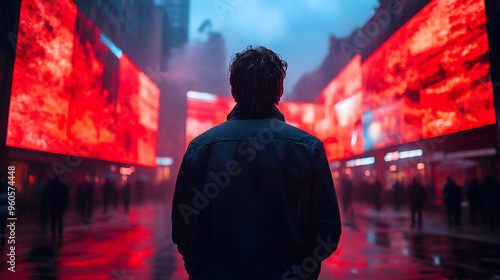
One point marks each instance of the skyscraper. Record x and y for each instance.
(178, 16)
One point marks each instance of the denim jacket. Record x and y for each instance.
(254, 199)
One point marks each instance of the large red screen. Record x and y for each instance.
(205, 110)
(339, 115)
(301, 115)
(430, 78)
(39, 101)
(74, 92)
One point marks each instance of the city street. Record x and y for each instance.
(264, 112)
(374, 245)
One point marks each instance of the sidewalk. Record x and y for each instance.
(116, 246)
(434, 221)
(373, 245)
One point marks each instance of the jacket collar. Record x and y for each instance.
(266, 112)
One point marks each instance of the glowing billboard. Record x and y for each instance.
(298, 114)
(206, 110)
(339, 115)
(74, 92)
(430, 78)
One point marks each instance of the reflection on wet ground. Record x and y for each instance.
(374, 245)
(377, 248)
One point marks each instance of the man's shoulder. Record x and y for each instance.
(241, 130)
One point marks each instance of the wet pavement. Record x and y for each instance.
(374, 245)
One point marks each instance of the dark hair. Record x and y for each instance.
(256, 77)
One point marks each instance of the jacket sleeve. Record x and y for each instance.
(326, 222)
(182, 214)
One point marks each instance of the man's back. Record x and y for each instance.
(255, 197)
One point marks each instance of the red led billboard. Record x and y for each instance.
(74, 92)
(137, 114)
(204, 111)
(39, 102)
(430, 78)
(339, 114)
(301, 115)
(92, 110)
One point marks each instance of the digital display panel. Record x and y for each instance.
(204, 111)
(42, 78)
(430, 78)
(300, 115)
(137, 114)
(92, 110)
(339, 116)
(74, 92)
(456, 93)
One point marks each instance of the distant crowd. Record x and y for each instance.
(47, 202)
(483, 198)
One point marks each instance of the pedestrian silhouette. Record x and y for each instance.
(347, 190)
(126, 195)
(474, 197)
(85, 199)
(490, 190)
(115, 196)
(398, 194)
(108, 193)
(376, 191)
(452, 200)
(44, 197)
(139, 190)
(80, 200)
(417, 196)
(89, 198)
(58, 201)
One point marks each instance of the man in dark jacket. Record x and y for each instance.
(254, 197)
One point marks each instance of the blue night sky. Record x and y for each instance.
(299, 30)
